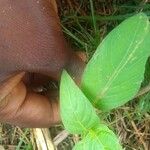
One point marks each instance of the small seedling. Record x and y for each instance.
(111, 78)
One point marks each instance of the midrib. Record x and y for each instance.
(122, 64)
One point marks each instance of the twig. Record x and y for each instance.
(1, 147)
(60, 137)
(140, 137)
(143, 91)
(142, 3)
(43, 139)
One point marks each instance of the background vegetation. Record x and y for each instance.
(85, 23)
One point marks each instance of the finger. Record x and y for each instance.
(26, 109)
(34, 80)
(47, 54)
(7, 86)
(35, 21)
(75, 68)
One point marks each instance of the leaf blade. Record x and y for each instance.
(101, 138)
(77, 113)
(118, 68)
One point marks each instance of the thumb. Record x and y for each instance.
(20, 107)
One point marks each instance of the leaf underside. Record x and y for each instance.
(114, 74)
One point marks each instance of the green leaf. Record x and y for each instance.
(101, 138)
(114, 74)
(77, 113)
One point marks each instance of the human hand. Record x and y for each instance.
(31, 43)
